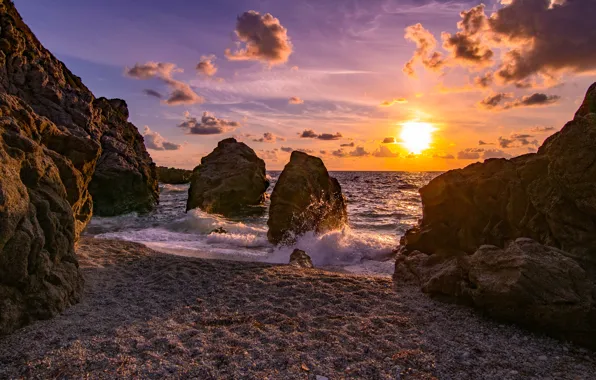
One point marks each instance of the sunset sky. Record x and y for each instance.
(355, 82)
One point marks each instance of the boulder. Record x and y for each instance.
(301, 259)
(229, 180)
(538, 286)
(549, 197)
(305, 198)
(50, 141)
(173, 176)
(125, 178)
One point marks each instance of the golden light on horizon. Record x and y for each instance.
(416, 136)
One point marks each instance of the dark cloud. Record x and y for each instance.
(358, 152)
(495, 153)
(494, 100)
(540, 129)
(484, 81)
(287, 149)
(388, 140)
(445, 156)
(310, 134)
(323, 152)
(269, 137)
(264, 37)
(206, 66)
(208, 125)
(468, 45)
(481, 142)
(295, 100)
(181, 92)
(351, 145)
(153, 93)
(155, 141)
(309, 151)
(470, 154)
(534, 100)
(425, 44)
(385, 152)
(517, 140)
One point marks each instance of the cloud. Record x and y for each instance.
(208, 125)
(269, 137)
(310, 134)
(270, 155)
(517, 140)
(540, 129)
(495, 153)
(389, 103)
(295, 100)
(309, 151)
(445, 156)
(358, 152)
(534, 100)
(206, 66)
(470, 154)
(468, 45)
(388, 140)
(425, 44)
(484, 81)
(155, 141)
(265, 39)
(385, 152)
(323, 152)
(287, 149)
(181, 92)
(494, 100)
(351, 145)
(153, 93)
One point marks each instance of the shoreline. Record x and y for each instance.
(150, 314)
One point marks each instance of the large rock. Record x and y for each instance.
(549, 196)
(125, 178)
(229, 180)
(173, 176)
(305, 198)
(535, 285)
(50, 141)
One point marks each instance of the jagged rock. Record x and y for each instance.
(550, 197)
(50, 141)
(125, 179)
(526, 282)
(228, 180)
(219, 230)
(305, 198)
(301, 259)
(173, 176)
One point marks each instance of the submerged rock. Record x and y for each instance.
(125, 179)
(301, 259)
(305, 198)
(51, 137)
(173, 176)
(548, 196)
(228, 180)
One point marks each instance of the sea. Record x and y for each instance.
(381, 207)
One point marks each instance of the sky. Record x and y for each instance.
(382, 85)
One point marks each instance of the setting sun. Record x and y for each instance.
(416, 136)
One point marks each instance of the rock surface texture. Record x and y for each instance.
(173, 176)
(301, 259)
(50, 141)
(125, 178)
(549, 197)
(305, 198)
(229, 180)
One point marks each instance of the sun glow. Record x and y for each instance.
(416, 136)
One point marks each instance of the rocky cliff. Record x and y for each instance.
(51, 135)
(467, 245)
(173, 176)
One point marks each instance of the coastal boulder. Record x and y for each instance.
(125, 178)
(229, 180)
(549, 197)
(301, 259)
(305, 198)
(173, 176)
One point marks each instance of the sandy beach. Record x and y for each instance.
(151, 315)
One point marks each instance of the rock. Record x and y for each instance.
(125, 179)
(219, 230)
(51, 137)
(173, 176)
(305, 198)
(229, 180)
(301, 259)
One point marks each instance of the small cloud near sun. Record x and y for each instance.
(389, 103)
(295, 100)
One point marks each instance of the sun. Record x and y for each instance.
(416, 136)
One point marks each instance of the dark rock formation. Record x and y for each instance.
(305, 198)
(173, 176)
(50, 141)
(301, 259)
(550, 197)
(229, 179)
(125, 178)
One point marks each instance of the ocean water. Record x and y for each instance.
(381, 207)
